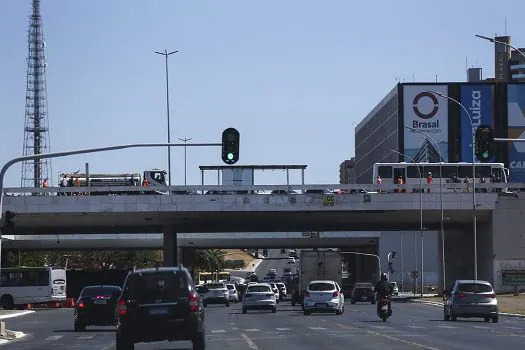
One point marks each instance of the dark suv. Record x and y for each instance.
(160, 304)
(363, 292)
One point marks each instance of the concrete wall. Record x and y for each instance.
(508, 238)
(408, 254)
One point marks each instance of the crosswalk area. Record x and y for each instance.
(384, 328)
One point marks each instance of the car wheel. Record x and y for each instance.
(79, 327)
(123, 344)
(453, 318)
(274, 310)
(307, 313)
(495, 319)
(372, 302)
(199, 343)
(244, 310)
(446, 317)
(486, 319)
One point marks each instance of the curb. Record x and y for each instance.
(17, 314)
(437, 304)
(15, 336)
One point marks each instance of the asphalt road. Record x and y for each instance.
(412, 326)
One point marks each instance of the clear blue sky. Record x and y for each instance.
(292, 76)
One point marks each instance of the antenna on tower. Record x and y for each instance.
(36, 127)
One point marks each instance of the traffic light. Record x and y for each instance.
(9, 216)
(484, 143)
(230, 146)
(393, 254)
(390, 267)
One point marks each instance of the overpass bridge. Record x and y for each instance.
(500, 240)
(192, 240)
(228, 211)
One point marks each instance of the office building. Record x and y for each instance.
(347, 171)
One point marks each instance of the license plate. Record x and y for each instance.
(363, 298)
(321, 305)
(384, 308)
(158, 311)
(100, 302)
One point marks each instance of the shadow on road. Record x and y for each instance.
(95, 330)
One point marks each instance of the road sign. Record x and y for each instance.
(414, 274)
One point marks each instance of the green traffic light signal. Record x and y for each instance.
(484, 143)
(230, 146)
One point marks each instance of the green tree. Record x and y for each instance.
(209, 259)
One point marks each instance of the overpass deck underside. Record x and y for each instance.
(237, 213)
(239, 222)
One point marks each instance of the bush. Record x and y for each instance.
(234, 264)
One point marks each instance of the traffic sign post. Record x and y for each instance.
(414, 275)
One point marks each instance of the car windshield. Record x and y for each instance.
(230, 286)
(474, 288)
(166, 286)
(258, 289)
(113, 292)
(321, 287)
(280, 285)
(215, 286)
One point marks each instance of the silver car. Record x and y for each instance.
(216, 293)
(259, 296)
(469, 298)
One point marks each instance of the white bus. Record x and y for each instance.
(390, 172)
(31, 285)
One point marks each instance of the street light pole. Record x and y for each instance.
(166, 54)
(372, 255)
(420, 216)
(474, 218)
(440, 196)
(185, 158)
(492, 40)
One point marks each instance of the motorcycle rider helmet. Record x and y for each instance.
(384, 277)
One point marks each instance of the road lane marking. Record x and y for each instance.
(53, 337)
(16, 314)
(481, 327)
(218, 331)
(419, 345)
(416, 327)
(283, 329)
(447, 327)
(317, 328)
(251, 330)
(248, 341)
(85, 337)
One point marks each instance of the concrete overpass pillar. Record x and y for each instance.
(170, 247)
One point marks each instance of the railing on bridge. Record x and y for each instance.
(320, 189)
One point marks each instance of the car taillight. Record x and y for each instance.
(459, 295)
(122, 307)
(336, 293)
(193, 302)
(80, 305)
(306, 294)
(493, 295)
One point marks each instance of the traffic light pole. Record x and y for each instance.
(388, 259)
(500, 139)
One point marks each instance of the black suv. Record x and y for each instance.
(96, 307)
(160, 304)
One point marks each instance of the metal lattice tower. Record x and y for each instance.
(36, 127)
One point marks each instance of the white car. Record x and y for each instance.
(324, 296)
(291, 260)
(275, 290)
(394, 286)
(233, 293)
(259, 296)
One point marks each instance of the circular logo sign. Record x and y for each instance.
(415, 105)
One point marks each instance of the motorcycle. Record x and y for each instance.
(383, 312)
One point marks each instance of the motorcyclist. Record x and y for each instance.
(383, 288)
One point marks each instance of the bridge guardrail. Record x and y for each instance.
(257, 189)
